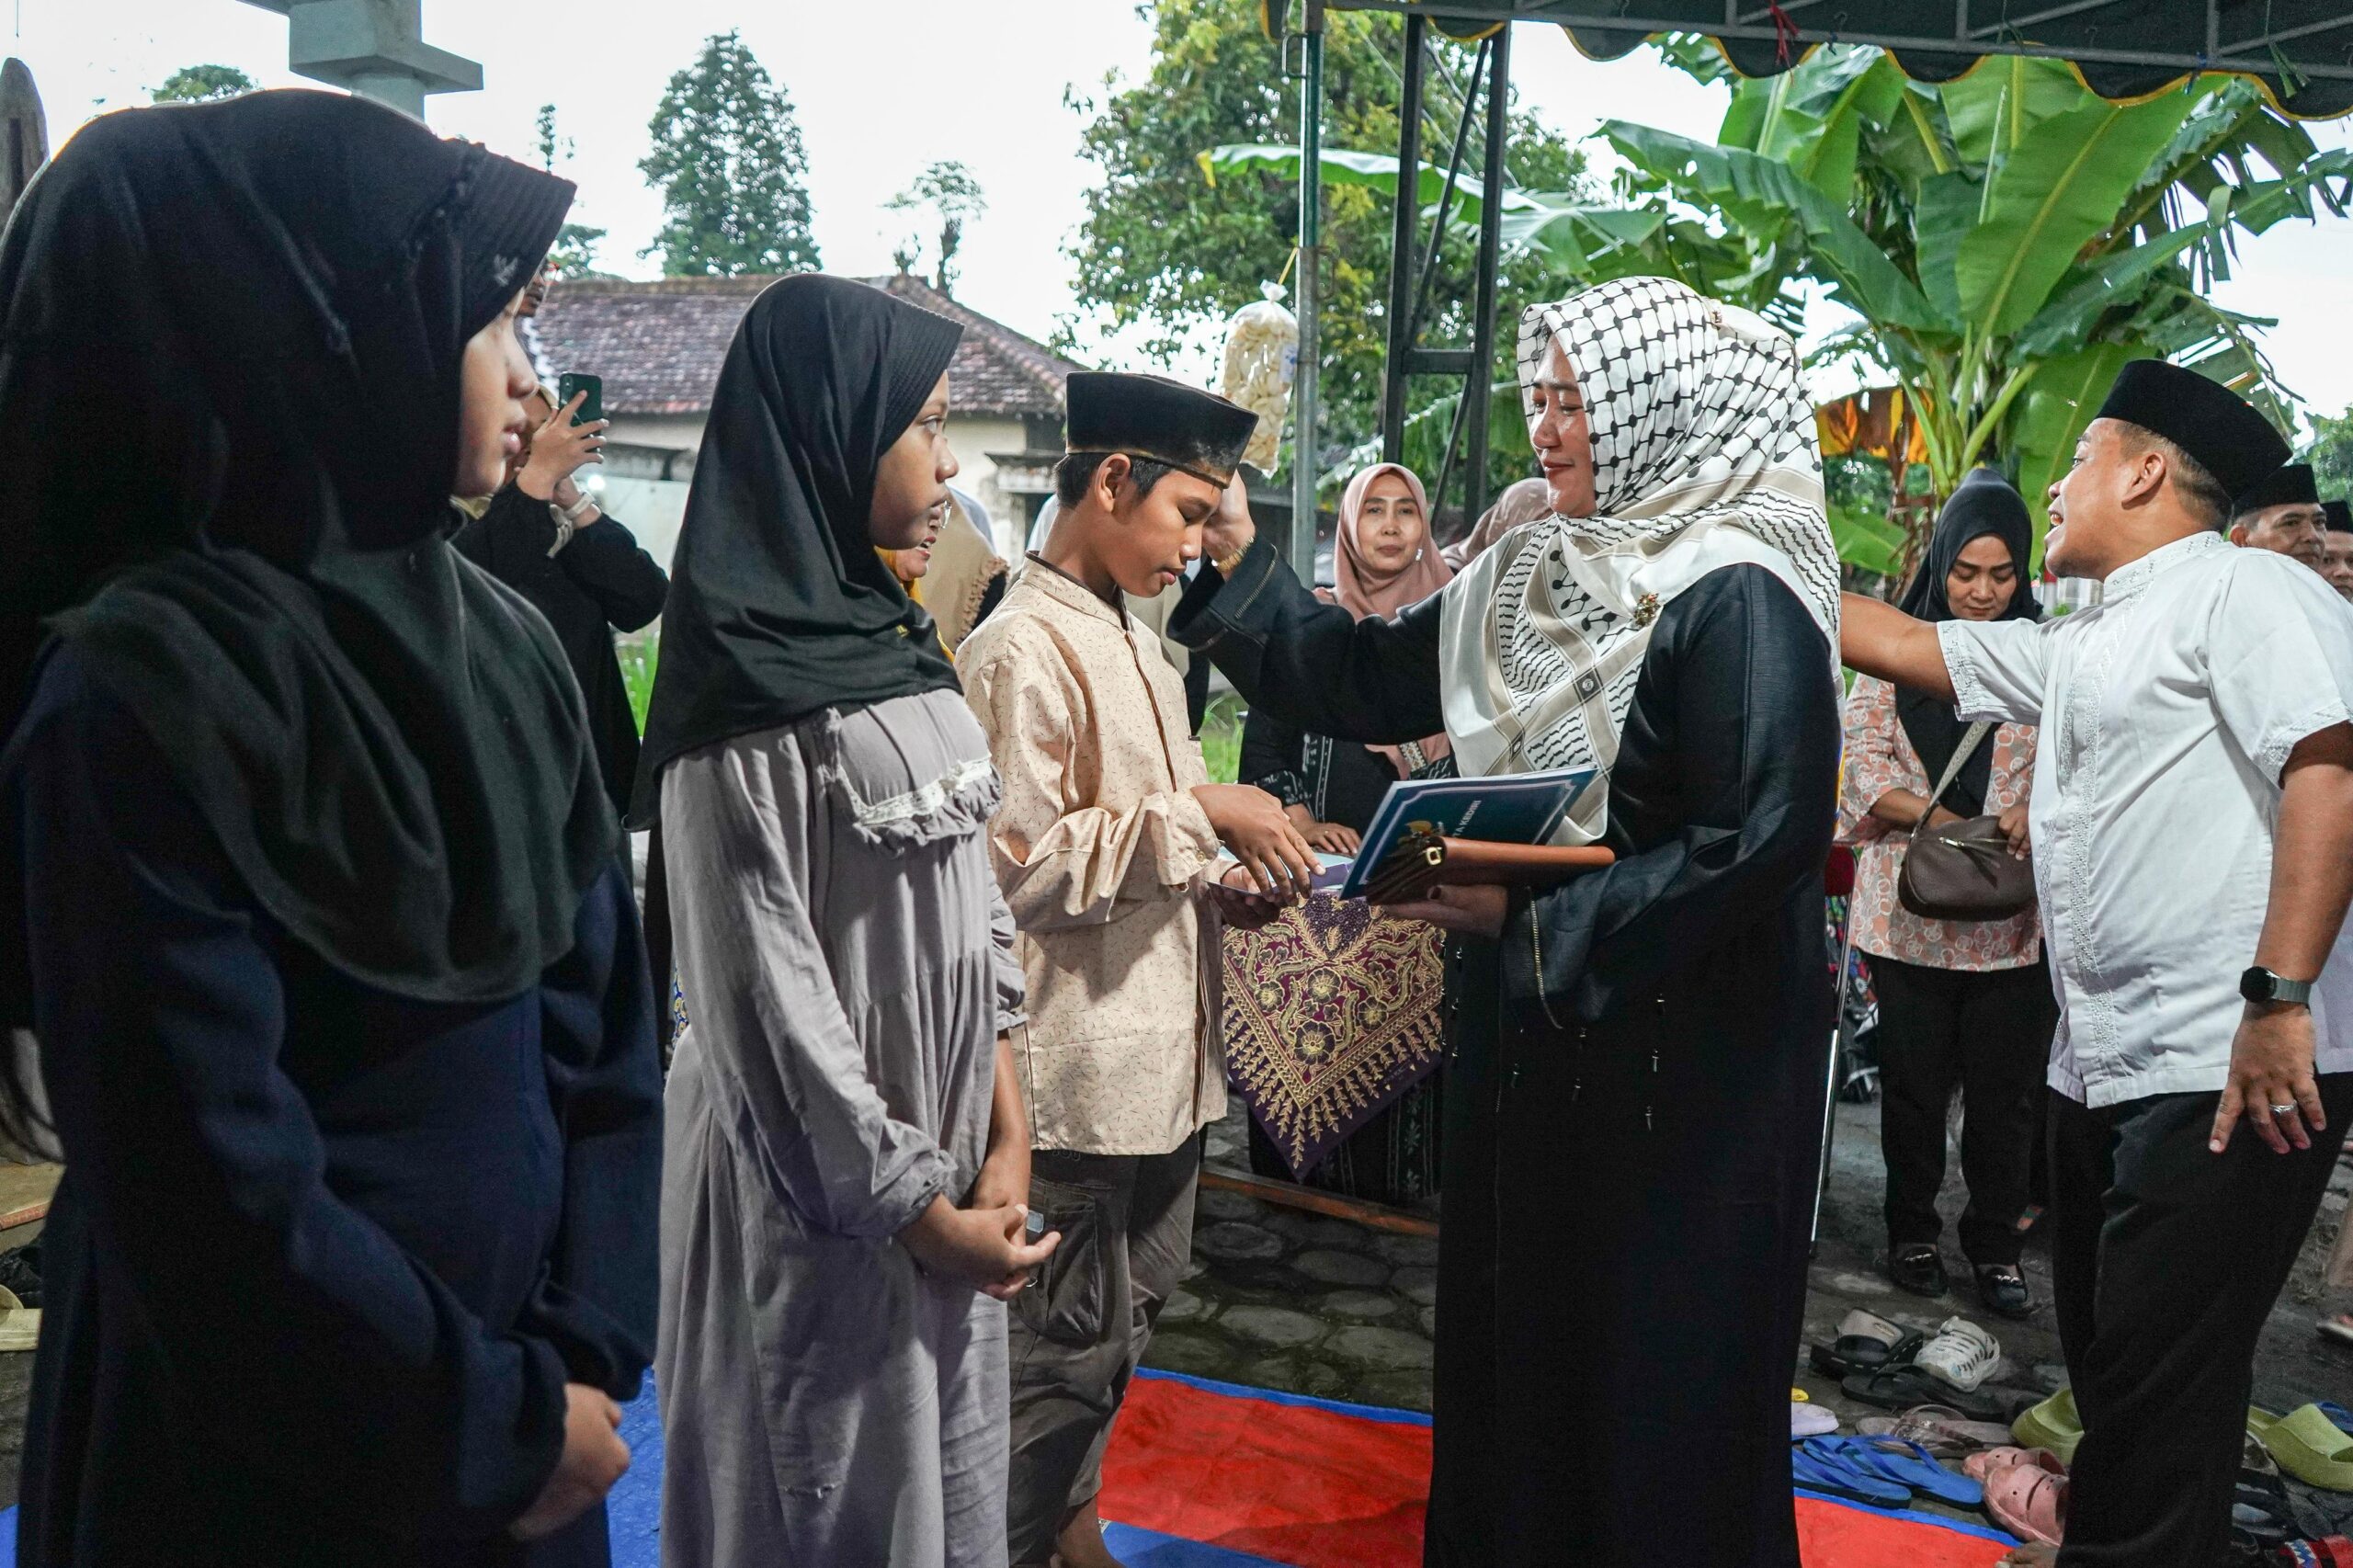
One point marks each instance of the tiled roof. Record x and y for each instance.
(659, 344)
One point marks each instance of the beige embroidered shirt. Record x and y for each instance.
(1099, 846)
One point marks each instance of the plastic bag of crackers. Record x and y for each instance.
(1261, 358)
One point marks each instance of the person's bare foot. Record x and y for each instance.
(1080, 1545)
(2034, 1554)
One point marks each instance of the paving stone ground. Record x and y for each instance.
(1290, 1301)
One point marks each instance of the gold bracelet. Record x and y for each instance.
(1225, 565)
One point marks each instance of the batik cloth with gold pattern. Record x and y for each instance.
(1331, 1011)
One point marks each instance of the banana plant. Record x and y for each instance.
(2008, 239)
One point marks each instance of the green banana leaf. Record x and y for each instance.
(2061, 399)
(1993, 107)
(1762, 198)
(1813, 117)
(1376, 170)
(2092, 291)
(1866, 540)
(2059, 189)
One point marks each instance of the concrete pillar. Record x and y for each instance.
(371, 47)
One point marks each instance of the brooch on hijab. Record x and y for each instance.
(1645, 609)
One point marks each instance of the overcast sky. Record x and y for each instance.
(884, 88)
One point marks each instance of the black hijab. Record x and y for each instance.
(779, 606)
(230, 346)
(1984, 503)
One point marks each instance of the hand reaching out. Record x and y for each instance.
(1255, 826)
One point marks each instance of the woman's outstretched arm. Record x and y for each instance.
(1307, 662)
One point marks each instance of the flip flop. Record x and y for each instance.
(1866, 1342)
(1903, 1388)
(1905, 1464)
(2339, 1328)
(2308, 1445)
(1939, 1428)
(2029, 1502)
(1819, 1471)
(1983, 1468)
(2052, 1425)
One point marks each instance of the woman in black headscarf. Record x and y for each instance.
(1961, 1004)
(307, 884)
(847, 1153)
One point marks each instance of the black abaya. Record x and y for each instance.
(1634, 1090)
(324, 1258)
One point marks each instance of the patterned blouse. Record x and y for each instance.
(1880, 758)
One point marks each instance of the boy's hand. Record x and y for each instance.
(1241, 906)
(1254, 826)
(983, 1247)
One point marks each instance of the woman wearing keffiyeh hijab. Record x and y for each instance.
(1634, 1102)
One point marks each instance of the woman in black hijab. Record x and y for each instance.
(306, 876)
(1961, 1004)
(846, 1153)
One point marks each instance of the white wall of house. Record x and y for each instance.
(653, 508)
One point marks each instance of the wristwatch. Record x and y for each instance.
(2259, 984)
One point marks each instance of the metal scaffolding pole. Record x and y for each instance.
(1477, 383)
(1402, 305)
(1303, 446)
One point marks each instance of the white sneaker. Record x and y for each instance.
(1962, 1354)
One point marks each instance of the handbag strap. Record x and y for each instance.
(1961, 753)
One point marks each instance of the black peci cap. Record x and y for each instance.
(1152, 416)
(2204, 418)
(2291, 485)
(2340, 516)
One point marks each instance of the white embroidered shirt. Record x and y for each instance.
(2168, 711)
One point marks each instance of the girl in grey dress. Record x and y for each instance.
(846, 1150)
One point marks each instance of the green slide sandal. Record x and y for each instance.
(2308, 1445)
(2052, 1425)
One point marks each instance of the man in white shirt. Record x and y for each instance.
(2192, 821)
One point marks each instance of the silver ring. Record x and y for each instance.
(2281, 1109)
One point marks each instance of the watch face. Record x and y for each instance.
(2255, 984)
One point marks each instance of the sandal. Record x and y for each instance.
(2052, 1425)
(1962, 1354)
(1810, 1420)
(1866, 1342)
(2339, 1328)
(1983, 1468)
(2029, 1502)
(1907, 1464)
(1903, 1388)
(1816, 1471)
(1939, 1428)
(2308, 1445)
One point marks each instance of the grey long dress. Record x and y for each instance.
(846, 964)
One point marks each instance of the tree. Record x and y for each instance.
(728, 161)
(575, 251)
(1167, 247)
(203, 84)
(952, 192)
(2331, 453)
(2009, 239)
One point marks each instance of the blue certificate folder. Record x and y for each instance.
(1513, 808)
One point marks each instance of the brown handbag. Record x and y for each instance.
(1964, 870)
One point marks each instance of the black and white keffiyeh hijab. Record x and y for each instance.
(1704, 456)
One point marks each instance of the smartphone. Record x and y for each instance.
(570, 384)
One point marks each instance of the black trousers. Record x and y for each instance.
(1988, 1034)
(2167, 1258)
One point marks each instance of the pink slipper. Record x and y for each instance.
(2029, 1502)
(1983, 1468)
